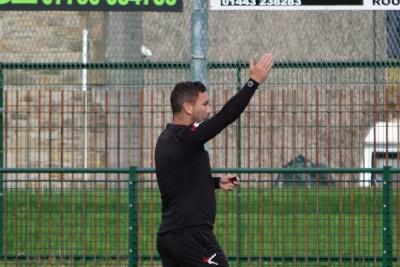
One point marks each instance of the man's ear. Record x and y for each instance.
(187, 107)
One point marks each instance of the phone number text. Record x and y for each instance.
(260, 2)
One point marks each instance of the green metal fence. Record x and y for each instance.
(322, 110)
(258, 225)
(332, 100)
(68, 197)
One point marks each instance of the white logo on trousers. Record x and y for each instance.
(209, 260)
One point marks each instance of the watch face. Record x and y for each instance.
(250, 83)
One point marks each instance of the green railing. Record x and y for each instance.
(385, 256)
(276, 215)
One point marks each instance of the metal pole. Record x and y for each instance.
(133, 220)
(387, 218)
(84, 92)
(239, 165)
(199, 40)
(1, 162)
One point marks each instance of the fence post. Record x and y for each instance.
(199, 41)
(239, 165)
(1, 162)
(133, 220)
(387, 218)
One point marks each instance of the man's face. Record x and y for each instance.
(202, 108)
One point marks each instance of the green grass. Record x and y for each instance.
(264, 227)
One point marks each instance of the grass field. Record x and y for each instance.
(256, 227)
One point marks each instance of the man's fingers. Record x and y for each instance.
(260, 70)
(233, 179)
(266, 60)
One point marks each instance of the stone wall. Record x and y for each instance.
(44, 109)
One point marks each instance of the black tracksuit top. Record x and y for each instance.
(183, 167)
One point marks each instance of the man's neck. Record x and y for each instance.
(181, 120)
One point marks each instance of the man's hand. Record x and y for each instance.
(259, 71)
(229, 182)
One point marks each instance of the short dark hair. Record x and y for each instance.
(185, 92)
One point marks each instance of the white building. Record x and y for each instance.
(381, 141)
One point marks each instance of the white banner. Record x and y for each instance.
(304, 5)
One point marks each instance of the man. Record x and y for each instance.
(187, 188)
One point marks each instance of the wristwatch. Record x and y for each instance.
(250, 83)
